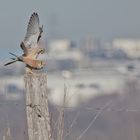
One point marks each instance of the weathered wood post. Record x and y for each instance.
(37, 110)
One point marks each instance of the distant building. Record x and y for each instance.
(96, 48)
(90, 45)
(62, 50)
(130, 46)
(59, 46)
(63, 55)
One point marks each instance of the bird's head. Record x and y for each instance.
(41, 54)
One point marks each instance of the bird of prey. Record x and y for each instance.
(31, 48)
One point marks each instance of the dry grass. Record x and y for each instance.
(8, 134)
(60, 122)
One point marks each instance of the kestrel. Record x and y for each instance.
(31, 49)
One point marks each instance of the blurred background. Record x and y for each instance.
(93, 49)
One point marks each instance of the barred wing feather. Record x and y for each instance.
(33, 31)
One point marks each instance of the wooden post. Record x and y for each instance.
(37, 110)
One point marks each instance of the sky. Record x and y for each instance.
(73, 19)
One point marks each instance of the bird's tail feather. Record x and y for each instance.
(10, 62)
(13, 59)
(13, 54)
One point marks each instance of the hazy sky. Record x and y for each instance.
(73, 19)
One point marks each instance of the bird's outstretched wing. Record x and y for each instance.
(25, 50)
(33, 32)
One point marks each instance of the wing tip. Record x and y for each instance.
(34, 14)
